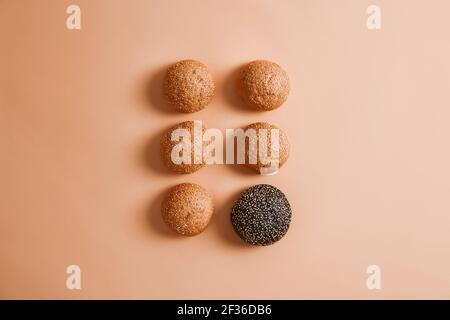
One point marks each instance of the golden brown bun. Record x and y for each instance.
(167, 145)
(187, 209)
(264, 85)
(188, 86)
(284, 146)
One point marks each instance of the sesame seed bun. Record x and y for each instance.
(167, 146)
(187, 209)
(263, 85)
(188, 86)
(261, 215)
(283, 147)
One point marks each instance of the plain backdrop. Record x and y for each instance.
(368, 178)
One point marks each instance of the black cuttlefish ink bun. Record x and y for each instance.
(262, 215)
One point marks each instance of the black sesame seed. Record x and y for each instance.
(261, 215)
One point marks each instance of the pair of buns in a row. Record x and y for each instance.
(260, 216)
(168, 145)
(262, 85)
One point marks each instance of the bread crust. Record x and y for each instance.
(188, 86)
(187, 209)
(263, 85)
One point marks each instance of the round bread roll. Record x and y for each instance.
(261, 215)
(188, 86)
(263, 85)
(167, 145)
(187, 209)
(266, 167)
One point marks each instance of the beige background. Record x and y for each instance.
(368, 178)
